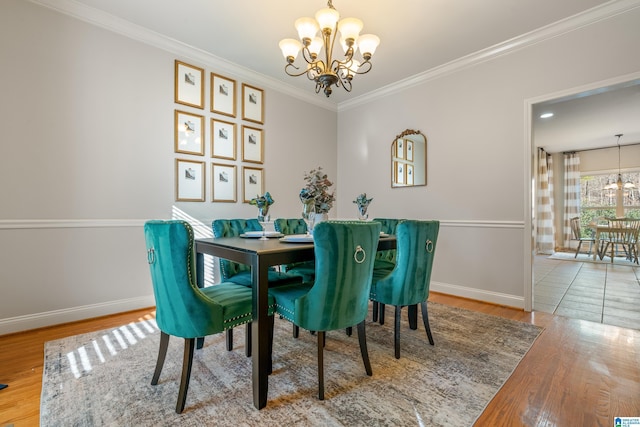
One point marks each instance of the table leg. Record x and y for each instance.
(597, 243)
(261, 333)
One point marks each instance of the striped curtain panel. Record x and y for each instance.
(544, 223)
(571, 193)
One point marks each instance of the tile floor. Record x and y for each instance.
(600, 292)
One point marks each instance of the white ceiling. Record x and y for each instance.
(416, 36)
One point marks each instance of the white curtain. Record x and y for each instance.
(571, 194)
(544, 223)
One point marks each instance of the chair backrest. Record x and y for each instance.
(344, 256)
(388, 226)
(233, 228)
(411, 277)
(575, 227)
(290, 225)
(624, 230)
(182, 309)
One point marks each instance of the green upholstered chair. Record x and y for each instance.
(408, 283)
(182, 309)
(240, 274)
(305, 269)
(385, 260)
(338, 298)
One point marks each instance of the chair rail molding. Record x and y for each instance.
(26, 224)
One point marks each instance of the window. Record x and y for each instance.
(599, 200)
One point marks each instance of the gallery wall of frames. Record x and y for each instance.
(219, 150)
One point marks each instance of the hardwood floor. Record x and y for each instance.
(577, 373)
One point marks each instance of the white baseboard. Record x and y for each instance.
(478, 294)
(49, 318)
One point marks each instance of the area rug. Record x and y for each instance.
(104, 378)
(583, 257)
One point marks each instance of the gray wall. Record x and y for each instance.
(88, 156)
(479, 152)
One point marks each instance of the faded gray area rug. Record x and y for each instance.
(104, 378)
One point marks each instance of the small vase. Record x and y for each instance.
(362, 213)
(263, 214)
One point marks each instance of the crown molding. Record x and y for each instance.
(136, 32)
(586, 18)
(120, 26)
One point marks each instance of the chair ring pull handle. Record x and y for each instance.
(355, 255)
(151, 256)
(429, 246)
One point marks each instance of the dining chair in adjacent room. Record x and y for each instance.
(338, 298)
(385, 260)
(576, 235)
(240, 274)
(623, 234)
(408, 283)
(182, 309)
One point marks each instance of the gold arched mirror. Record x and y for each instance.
(409, 159)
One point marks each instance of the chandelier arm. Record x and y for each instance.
(294, 74)
(369, 66)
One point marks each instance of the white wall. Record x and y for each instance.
(478, 152)
(87, 157)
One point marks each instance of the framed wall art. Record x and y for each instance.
(399, 173)
(223, 95)
(252, 104)
(400, 148)
(189, 85)
(190, 179)
(409, 147)
(188, 133)
(409, 170)
(253, 183)
(223, 139)
(252, 145)
(223, 188)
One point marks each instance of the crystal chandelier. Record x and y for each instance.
(325, 70)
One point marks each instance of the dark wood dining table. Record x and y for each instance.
(260, 255)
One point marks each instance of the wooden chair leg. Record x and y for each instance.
(229, 339)
(187, 361)
(375, 311)
(321, 365)
(381, 314)
(349, 331)
(296, 331)
(362, 339)
(396, 332)
(162, 353)
(199, 343)
(425, 319)
(578, 249)
(247, 341)
(413, 316)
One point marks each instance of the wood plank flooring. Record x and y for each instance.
(577, 373)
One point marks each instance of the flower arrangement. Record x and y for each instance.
(262, 202)
(316, 190)
(363, 204)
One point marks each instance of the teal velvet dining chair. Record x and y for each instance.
(304, 269)
(240, 274)
(182, 309)
(408, 283)
(385, 259)
(338, 298)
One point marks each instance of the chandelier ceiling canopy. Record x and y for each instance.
(317, 42)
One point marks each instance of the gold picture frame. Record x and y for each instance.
(223, 183)
(189, 85)
(252, 104)
(223, 139)
(188, 133)
(190, 180)
(252, 183)
(223, 95)
(252, 144)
